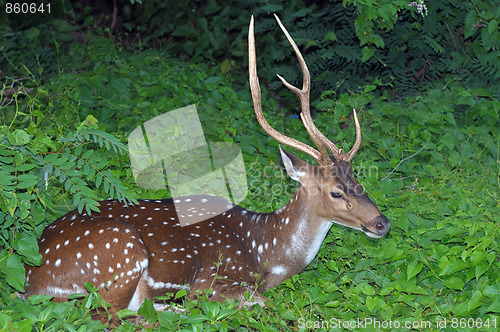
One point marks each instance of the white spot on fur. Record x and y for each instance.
(279, 270)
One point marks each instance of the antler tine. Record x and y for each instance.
(304, 95)
(338, 153)
(316, 135)
(357, 143)
(257, 104)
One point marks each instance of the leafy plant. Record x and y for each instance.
(347, 44)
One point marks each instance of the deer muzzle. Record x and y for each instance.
(377, 227)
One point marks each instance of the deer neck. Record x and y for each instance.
(285, 241)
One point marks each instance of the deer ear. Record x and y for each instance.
(295, 167)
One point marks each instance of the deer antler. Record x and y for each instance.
(257, 105)
(339, 153)
(318, 138)
(357, 143)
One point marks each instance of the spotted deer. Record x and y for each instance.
(133, 252)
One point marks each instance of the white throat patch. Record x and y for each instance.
(317, 241)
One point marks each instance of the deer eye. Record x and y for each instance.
(336, 194)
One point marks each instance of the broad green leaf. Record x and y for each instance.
(67, 184)
(211, 309)
(22, 325)
(147, 311)
(25, 167)
(14, 272)
(403, 222)
(5, 320)
(87, 154)
(182, 31)
(66, 165)
(481, 268)
(124, 313)
(89, 286)
(80, 206)
(196, 319)
(38, 299)
(377, 40)
(492, 26)
(454, 282)
(90, 121)
(451, 267)
(387, 251)
(495, 306)
(366, 288)
(448, 140)
(470, 20)
(26, 245)
(226, 65)
(180, 293)
(413, 269)
(212, 80)
(332, 265)
(369, 88)
(366, 53)
(416, 290)
(332, 304)
(87, 301)
(106, 186)
(475, 301)
(371, 302)
(167, 318)
(477, 257)
(9, 201)
(19, 137)
(78, 150)
(77, 296)
(51, 158)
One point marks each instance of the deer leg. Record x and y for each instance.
(223, 285)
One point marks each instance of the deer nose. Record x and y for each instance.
(382, 224)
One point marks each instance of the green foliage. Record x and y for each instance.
(41, 169)
(39, 314)
(346, 44)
